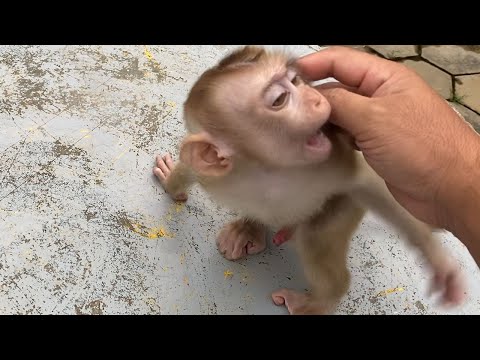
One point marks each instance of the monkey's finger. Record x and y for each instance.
(278, 299)
(226, 245)
(454, 293)
(255, 247)
(158, 173)
(164, 167)
(350, 67)
(239, 249)
(158, 160)
(169, 161)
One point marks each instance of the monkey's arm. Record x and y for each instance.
(176, 179)
(373, 193)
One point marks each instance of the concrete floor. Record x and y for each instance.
(86, 229)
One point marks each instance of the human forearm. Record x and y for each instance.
(461, 200)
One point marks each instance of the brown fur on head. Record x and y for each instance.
(201, 97)
(253, 104)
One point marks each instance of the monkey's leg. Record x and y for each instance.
(448, 279)
(323, 244)
(240, 238)
(175, 178)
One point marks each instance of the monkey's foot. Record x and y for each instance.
(298, 303)
(240, 238)
(450, 282)
(283, 235)
(162, 170)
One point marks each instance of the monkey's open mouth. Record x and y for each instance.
(319, 139)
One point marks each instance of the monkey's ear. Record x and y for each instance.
(199, 152)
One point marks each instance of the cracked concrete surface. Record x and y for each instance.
(86, 229)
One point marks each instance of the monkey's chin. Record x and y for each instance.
(319, 145)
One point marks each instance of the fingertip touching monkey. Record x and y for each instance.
(258, 142)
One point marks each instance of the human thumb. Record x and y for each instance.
(350, 111)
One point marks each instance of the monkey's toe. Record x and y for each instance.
(278, 299)
(255, 247)
(293, 300)
(239, 239)
(298, 303)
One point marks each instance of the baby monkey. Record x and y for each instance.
(258, 142)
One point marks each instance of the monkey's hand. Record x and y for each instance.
(173, 179)
(449, 281)
(240, 238)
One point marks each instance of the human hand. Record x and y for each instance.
(409, 134)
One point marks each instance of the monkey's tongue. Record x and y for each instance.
(316, 140)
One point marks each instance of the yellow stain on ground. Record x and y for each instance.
(9, 211)
(175, 208)
(185, 58)
(171, 103)
(150, 58)
(164, 268)
(179, 206)
(120, 155)
(185, 281)
(227, 273)
(148, 54)
(158, 232)
(182, 259)
(150, 233)
(390, 291)
(87, 133)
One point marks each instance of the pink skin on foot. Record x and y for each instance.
(298, 303)
(283, 235)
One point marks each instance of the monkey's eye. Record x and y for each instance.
(280, 101)
(293, 77)
(296, 80)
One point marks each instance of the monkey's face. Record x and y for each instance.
(279, 117)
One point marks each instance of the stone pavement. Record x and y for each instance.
(452, 70)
